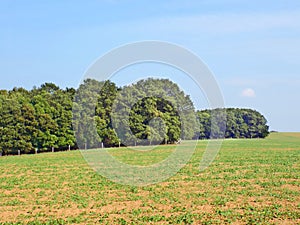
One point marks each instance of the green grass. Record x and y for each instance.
(250, 182)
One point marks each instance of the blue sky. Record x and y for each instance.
(252, 47)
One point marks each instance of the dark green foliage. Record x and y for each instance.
(153, 111)
(238, 123)
(142, 115)
(17, 122)
(37, 119)
(158, 112)
(91, 114)
(104, 106)
(84, 110)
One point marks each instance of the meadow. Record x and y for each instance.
(251, 181)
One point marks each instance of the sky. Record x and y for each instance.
(251, 47)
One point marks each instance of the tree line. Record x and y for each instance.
(152, 111)
(232, 123)
(149, 112)
(40, 118)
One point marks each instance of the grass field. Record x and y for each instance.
(250, 182)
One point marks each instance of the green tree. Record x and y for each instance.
(84, 114)
(105, 100)
(237, 123)
(149, 99)
(17, 126)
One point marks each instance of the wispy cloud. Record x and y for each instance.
(219, 23)
(261, 81)
(249, 93)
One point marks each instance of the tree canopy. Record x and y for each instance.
(36, 119)
(152, 111)
(238, 123)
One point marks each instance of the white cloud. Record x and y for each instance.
(248, 92)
